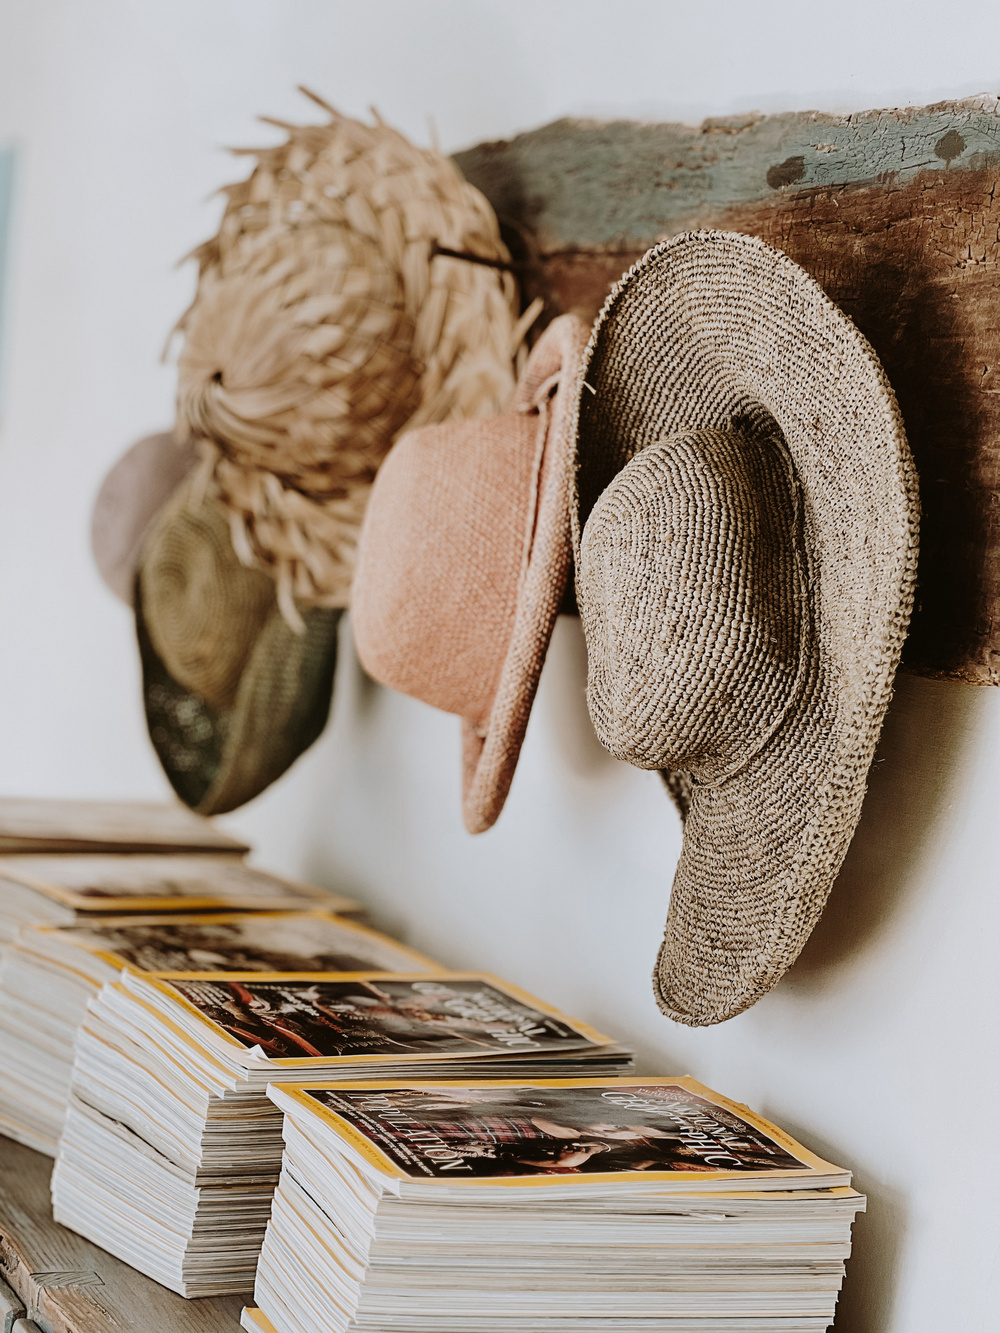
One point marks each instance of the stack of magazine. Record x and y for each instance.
(30, 824)
(171, 1149)
(204, 1035)
(88, 863)
(546, 1205)
(60, 890)
(49, 973)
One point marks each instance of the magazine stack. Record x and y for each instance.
(171, 1148)
(49, 973)
(60, 890)
(30, 824)
(546, 1206)
(68, 861)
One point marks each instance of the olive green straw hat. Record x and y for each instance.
(233, 695)
(745, 531)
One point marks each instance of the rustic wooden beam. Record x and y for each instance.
(895, 213)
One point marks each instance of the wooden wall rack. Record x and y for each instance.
(897, 216)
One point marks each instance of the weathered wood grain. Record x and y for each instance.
(11, 1307)
(896, 215)
(71, 1286)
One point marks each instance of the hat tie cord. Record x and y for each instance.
(541, 406)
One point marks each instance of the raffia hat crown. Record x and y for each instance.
(703, 674)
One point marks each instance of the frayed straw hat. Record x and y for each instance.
(233, 694)
(746, 537)
(463, 561)
(326, 319)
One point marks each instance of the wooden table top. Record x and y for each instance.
(72, 1286)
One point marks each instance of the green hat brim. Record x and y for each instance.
(217, 759)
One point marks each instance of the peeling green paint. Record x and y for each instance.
(623, 184)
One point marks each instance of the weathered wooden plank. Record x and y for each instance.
(71, 1286)
(621, 184)
(11, 1307)
(895, 213)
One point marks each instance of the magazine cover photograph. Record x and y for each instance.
(558, 1127)
(228, 942)
(99, 882)
(288, 1017)
(49, 974)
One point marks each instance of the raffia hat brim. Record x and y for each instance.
(489, 759)
(705, 329)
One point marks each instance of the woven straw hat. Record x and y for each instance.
(463, 561)
(746, 537)
(233, 695)
(325, 321)
(131, 495)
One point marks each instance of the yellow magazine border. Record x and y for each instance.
(183, 1038)
(813, 1164)
(210, 918)
(258, 1317)
(80, 902)
(160, 982)
(50, 963)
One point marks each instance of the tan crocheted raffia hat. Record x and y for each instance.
(325, 321)
(464, 557)
(746, 536)
(233, 695)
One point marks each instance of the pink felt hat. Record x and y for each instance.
(463, 561)
(131, 495)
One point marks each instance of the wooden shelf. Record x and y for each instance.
(70, 1286)
(897, 216)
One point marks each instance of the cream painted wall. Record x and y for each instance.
(879, 1048)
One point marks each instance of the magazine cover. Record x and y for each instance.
(649, 1128)
(229, 942)
(29, 824)
(375, 1016)
(93, 882)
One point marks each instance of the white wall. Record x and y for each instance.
(879, 1048)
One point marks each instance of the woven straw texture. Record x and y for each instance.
(323, 323)
(746, 534)
(233, 694)
(464, 558)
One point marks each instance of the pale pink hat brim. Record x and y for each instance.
(489, 757)
(131, 495)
